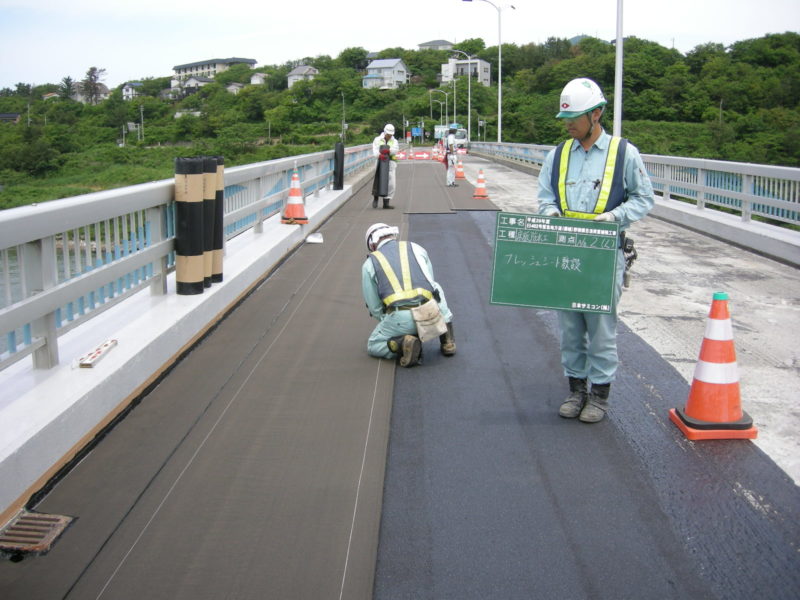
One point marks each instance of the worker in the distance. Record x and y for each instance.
(592, 176)
(384, 148)
(396, 277)
(450, 157)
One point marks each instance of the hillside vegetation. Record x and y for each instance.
(737, 103)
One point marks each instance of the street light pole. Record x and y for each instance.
(617, 129)
(344, 119)
(499, 69)
(469, 92)
(441, 111)
(446, 96)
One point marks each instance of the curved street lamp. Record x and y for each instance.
(446, 96)
(441, 109)
(499, 67)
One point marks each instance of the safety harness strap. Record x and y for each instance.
(404, 290)
(611, 193)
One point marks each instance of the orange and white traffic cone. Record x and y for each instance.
(295, 212)
(713, 410)
(480, 188)
(460, 170)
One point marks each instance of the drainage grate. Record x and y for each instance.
(32, 533)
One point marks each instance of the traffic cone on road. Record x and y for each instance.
(460, 170)
(713, 410)
(295, 211)
(480, 188)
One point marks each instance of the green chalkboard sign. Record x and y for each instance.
(554, 262)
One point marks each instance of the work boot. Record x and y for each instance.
(408, 349)
(447, 341)
(576, 400)
(386, 203)
(374, 202)
(597, 403)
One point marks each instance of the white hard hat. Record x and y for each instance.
(578, 97)
(389, 129)
(376, 231)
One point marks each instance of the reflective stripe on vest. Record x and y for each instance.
(612, 189)
(414, 285)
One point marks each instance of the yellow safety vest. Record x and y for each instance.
(612, 190)
(411, 285)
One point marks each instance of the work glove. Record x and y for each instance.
(606, 216)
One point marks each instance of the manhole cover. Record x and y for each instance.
(31, 533)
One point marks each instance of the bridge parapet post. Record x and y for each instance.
(40, 273)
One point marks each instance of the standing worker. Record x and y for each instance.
(396, 277)
(450, 157)
(592, 176)
(384, 148)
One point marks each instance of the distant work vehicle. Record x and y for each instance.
(461, 138)
(441, 131)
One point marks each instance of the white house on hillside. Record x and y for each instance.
(386, 73)
(194, 83)
(258, 78)
(206, 68)
(131, 89)
(301, 73)
(476, 67)
(436, 45)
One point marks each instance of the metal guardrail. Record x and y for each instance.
(742, 188)
(66, 261)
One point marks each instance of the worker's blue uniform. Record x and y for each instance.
(395, 322)
(589, 340)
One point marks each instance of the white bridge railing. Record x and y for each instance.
(744, 189)
(66, 261)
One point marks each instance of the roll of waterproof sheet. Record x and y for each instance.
(189, 265)
(217, 247)
(209, 215)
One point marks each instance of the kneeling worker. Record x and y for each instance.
(395, 278)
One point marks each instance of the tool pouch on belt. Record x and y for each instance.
(429, 320)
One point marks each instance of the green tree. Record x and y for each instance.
(90, 86)
(65, 88)
(353, 58)
(471, 46)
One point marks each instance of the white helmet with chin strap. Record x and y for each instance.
(389, 128)
(579, 97)
(376, 232)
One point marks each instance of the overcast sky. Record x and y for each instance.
(42, 41)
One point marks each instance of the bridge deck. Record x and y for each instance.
(278, 460)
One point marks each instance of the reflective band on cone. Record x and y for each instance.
(460, 171)
(713, 409)
(480, 188)
(295, 212)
